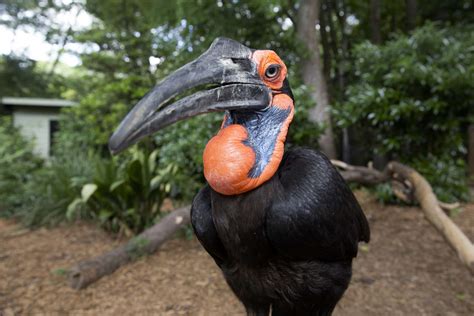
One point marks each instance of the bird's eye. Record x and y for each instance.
(272, 71)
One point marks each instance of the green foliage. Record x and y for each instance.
(90, 124)
(17, 162)
(50, 190)
(413, 87)
(446, 174)
(20, 76)
(413, 97)
(302, 131)
(452, 11)
(384, 193)
(124, 196)
(182, 144)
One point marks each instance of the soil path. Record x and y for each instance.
(407, 269)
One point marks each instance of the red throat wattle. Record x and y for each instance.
(248, 149)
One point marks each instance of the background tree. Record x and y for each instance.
(411, 8)
(313, 71)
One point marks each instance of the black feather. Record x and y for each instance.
(289, 243)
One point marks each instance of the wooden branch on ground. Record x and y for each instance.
(435, 215)
(403, 189)
(362, 175)
(88, 271)
(449, 206)
(410, 186)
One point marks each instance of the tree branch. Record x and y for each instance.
(410, 186)
(88, 271)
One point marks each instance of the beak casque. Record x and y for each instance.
(235, 84)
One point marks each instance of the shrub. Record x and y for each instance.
(303, 132)
(182, 144)
(412, 100)
(124, 194)
(50, 190)
(446, 175)
(17, 163)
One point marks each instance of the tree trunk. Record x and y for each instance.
(411, 8)
(380, 161)
(346, 145)
(326, 48)
(340, 13)
(341, 49)
(313, 74)
(88, 271)
(332, 29)
(375, 32)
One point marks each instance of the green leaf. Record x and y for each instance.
(152, 160)
(60, 271)
(87, 191)
(155, 182)
(104, 215)
(116, 184)
(72, 208)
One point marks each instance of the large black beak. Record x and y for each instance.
(226, 67)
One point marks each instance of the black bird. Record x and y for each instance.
(283, 227)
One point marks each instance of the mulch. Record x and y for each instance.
(407, 269)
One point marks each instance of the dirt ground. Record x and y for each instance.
(407, 269)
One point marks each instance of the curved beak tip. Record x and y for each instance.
(113, 150)
(115, 145)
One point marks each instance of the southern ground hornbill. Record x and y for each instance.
(283, 227)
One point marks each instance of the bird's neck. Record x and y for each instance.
(248, 148)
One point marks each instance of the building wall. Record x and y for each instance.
(34, 123)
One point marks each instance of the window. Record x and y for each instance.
(53, 128)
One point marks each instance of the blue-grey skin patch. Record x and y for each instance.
(262, 128)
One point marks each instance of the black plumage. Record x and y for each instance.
(289, 243)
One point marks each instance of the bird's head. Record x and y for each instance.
(250, 86)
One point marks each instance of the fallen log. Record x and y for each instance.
(431, 207)
(88, 271)
(410, 186)
(359, 174)
(370, 176)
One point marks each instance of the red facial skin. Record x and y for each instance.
(227, 160)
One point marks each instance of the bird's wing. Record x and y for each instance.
(315, 215)
(203, 225)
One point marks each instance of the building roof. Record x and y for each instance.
(40, 102)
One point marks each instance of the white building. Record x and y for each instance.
(36, 118)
